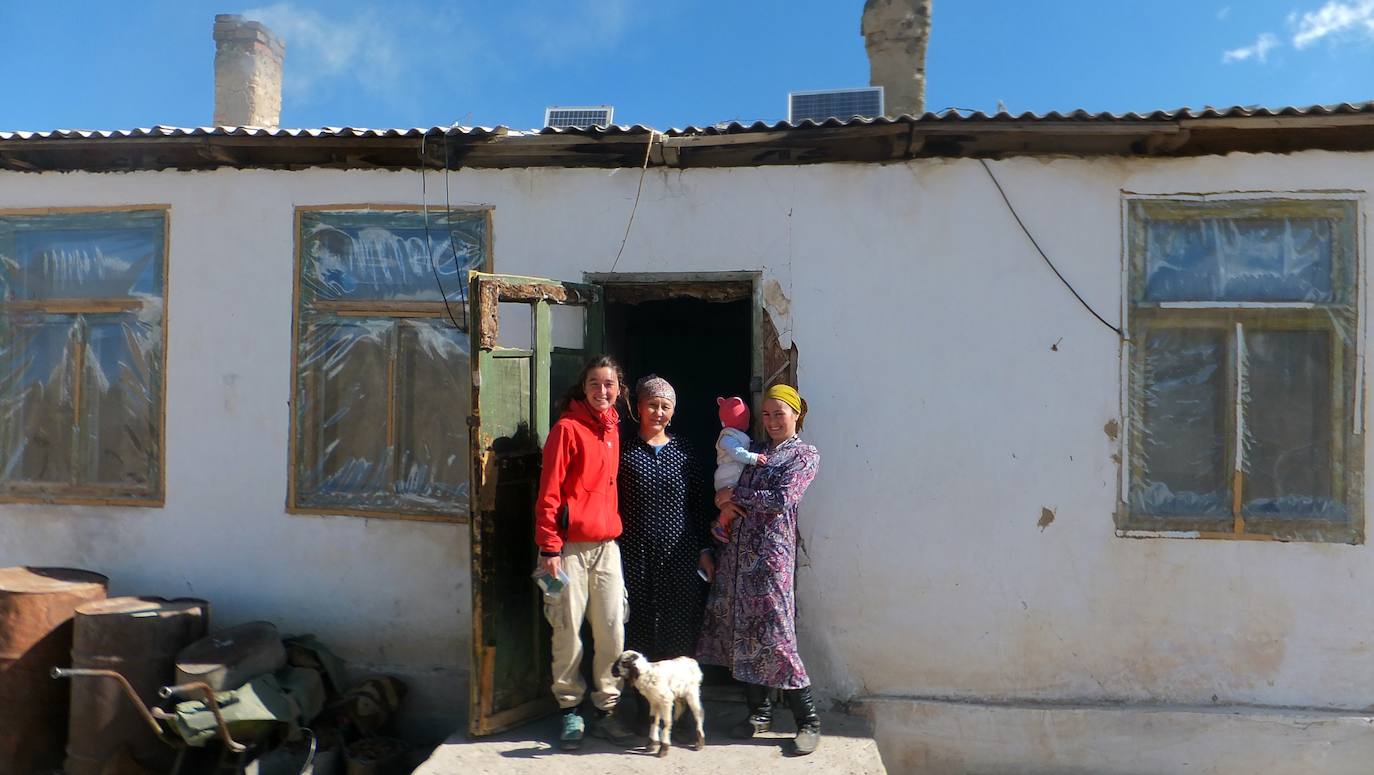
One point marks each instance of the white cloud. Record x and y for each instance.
(423, 58)
(1336, 18)
(1259, 50)
(370, 50)
(1224, 12)
(321, 48)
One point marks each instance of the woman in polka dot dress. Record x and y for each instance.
(665, 507)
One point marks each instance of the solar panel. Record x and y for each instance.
(843, 104)
(583, 116)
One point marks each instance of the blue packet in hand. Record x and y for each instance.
(551, 585)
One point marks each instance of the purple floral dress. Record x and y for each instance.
(750, 623)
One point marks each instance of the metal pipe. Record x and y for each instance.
(208, 694)
(80, 672)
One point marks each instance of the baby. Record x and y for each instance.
(732, 455)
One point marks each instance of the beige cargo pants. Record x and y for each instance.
(595, 593)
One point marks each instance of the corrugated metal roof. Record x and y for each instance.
(245, 131)
(949, 133)
(943, 117)
(964, 116)
(614, 129)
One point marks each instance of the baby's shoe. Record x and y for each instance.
(720, 532)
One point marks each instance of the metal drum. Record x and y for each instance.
(139, 638)
(36, 607)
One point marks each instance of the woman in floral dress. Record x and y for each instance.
(750, 622)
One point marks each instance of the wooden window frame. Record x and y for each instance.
(60, 494)
(1345, 374)
(395, 311)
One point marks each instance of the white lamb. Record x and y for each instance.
(663, 684)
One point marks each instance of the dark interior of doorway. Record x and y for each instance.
(704, 348)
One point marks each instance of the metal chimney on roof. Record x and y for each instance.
(896, 33)
(248, 61)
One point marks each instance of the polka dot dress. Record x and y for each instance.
(665, 505)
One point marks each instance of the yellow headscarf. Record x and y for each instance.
(789, 395)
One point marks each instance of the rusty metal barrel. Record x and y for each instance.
(139, 638)
(36, 608)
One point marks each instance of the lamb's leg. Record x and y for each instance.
(694, 700)
(653, 729)
(665, 712)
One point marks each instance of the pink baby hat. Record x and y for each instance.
(734, 413)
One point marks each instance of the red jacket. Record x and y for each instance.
(581, 462)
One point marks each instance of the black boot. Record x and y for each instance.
(808, 721)
(760, 717)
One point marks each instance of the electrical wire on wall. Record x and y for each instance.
(1042, 253)
(644, 169)
(452, 244)
(429, 241)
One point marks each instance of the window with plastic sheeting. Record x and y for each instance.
(1244, 376)
(81, 355)
(382, 381)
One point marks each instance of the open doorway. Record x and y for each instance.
(699, 333)
(529, 337)
(696, 331)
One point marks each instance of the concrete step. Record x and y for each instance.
(847, 746)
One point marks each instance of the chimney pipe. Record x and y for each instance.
(895, 34)
(248, 61)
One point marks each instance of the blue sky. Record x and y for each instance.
(108, 65)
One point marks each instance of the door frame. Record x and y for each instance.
(765, 362)
(769, 362)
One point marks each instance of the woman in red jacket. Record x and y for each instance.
(576, 522)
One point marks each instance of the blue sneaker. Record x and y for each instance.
(570, 738)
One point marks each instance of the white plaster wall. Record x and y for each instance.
(951, 738)
(945, 421)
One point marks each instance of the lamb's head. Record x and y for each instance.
(630, 665)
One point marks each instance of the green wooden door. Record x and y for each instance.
(513, 391)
